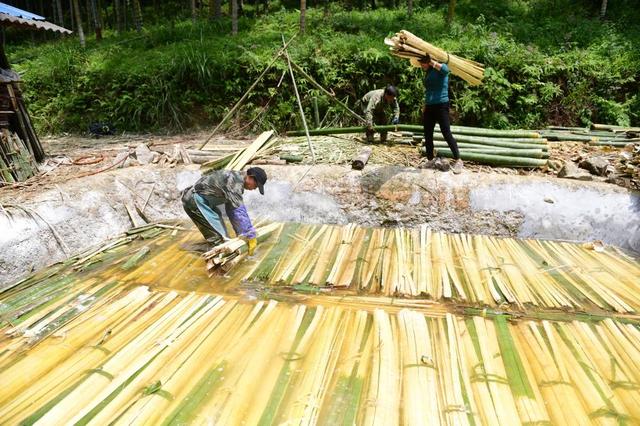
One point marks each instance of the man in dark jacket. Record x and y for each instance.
(201, 202)
(379, 106)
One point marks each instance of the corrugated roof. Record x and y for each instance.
(7, 19)
(14, 11)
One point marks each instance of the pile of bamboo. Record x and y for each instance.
(503, 148)
(408, 46)
(223, 257)
(262, 146)
(467, 268)
(597, 135)
(20, 148)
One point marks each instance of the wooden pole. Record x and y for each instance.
(295, 89)
(316, 113)
(361, 159)
(246, 94)
(326, 92)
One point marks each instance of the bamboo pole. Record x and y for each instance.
(361, 159)
(462, 130)
(326, 92)
(246, 94)
(295, 89)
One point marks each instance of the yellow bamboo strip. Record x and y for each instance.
(384, 385)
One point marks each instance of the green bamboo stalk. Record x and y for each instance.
(489, 140)
(496, 160)
(471, 131)
(567, 137)
(517, 145)
(532, 153)
(522, 153)
(290, 158)
(443, 144)
(616, 143)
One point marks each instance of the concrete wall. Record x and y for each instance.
(89, 211)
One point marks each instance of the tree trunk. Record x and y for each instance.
(60, 14)
(97, 18)
(116, 6)
(234, 17)
(194, 11)
(603, 9)
(303, 12)
(217, 4)
(451, 12)
(72, 16)
(326, 8)
(137, 15)
(76, 12)
(410, 7)
(89, 17)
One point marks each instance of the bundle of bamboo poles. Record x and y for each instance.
(263, 145)
(597, 135)
(499, 152)
(502, 148)
(222, 258)
(20, 148)
(408, 46)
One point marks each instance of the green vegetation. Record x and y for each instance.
(548, 62)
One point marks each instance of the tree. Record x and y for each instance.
(137, 15)
(194, 10)
(215, 9)
(76, 12)
(97, 18)
(234, 17)
(59, 16)
(116, 6)
(410, 7)
(451, 12)
(303, 12)
(603, 9)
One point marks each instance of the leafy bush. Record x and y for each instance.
(544, 66)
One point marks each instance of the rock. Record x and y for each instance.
(549, 200)
(571, 171)
(555, 165)
(143, 154)
(596, 165)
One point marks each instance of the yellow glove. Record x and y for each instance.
(251, 244)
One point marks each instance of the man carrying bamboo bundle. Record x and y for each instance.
(378, 106)
(436, 110)
(201, 202)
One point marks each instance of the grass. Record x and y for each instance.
(546, 64)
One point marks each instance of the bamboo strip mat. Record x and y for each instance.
(138, 356)
(472, 269)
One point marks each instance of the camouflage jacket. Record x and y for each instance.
(227, 185)
(374, 104)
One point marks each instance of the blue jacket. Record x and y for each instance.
(436, 86)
